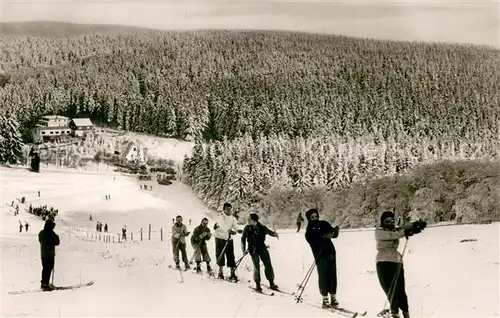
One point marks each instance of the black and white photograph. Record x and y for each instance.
(250, 158)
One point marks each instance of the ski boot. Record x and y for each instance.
(233, 276)
(273, 286)
(258, 288)
(221, 275)
(210, 271)
(406, 314)
(198, 268)
(325, 304)
(47, 287)
(333, 301)
(177, 266)
(186, 266)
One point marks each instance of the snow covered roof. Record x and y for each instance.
(48, 117)
(82, 121)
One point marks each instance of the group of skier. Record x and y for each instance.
(319, 235)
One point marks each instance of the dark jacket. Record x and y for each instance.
(321, 246)
(300, 219)
(197, 232)
(256, 237)
(48, 240)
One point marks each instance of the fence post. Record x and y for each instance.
(149, 232)
(99, 236)
(131, 236)
(141, 233)
(161, 234)
(118, 237)
(113, 239)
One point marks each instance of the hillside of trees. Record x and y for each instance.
(270, 111)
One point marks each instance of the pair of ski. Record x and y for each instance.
(333, 309)
(70, 287)
(210, 275)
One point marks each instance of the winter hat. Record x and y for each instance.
(311, 212)
(49, 225)
(254, 217)
(385, 215)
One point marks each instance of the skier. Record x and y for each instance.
(300, 219)
(224, 246)
(255, 234)
(201, 234)
(20, 227)
(124, 233)
(179, 233)
(390, 269)
(319, 234)
(26, 226)
(106, 227)
(48, 241)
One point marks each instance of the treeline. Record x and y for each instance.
(280, 177)
(221, 84)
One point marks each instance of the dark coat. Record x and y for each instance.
(197, 232)
(48, 240)
(256, 237)
(315, 236)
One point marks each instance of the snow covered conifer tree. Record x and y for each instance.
(11, 142)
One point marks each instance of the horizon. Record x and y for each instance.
(456, 21)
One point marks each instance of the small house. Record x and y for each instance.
(134, 153)
(80, 126)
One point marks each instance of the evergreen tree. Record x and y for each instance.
(11, 141)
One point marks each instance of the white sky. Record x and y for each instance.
(453, 21)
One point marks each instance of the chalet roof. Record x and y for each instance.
(55, 117)
(127, 150)
(82, 122)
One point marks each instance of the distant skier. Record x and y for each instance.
(390, 269)
(48, 241)
(225, 227)
(106, 227)
(300, 219)
(124, 233)
(319, 234)
(201, 234)
(255, 234)
(179, 233)
(38, 193)
(26, 226)
(20, 227)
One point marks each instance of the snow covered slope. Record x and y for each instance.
(445, 277)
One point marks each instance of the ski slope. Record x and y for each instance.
(444, 277)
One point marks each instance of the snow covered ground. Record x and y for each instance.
(445, 278)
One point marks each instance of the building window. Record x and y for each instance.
(43, 132)
(51, 132)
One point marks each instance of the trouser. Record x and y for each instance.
(178, 246)
(200, 251)
(223, 254)
(394, 287)
(299, 225)
(47, 268)
(263, 256)
(327, 274)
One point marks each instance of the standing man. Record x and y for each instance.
(300, 219)
(319, 234)
(48, 241)
(179, 233)
(224, 246)
(255, 234)
(201, 234)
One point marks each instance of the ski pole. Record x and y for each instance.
(302, 288)
(238, 262)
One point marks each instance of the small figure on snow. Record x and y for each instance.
(225, 227)
(390, 269)
(90, 218)
(179, 233)
(255, 234)
(319, 234)
(26, 226)
(20, 227)
(48, 241)
(38, 193)
(201, 234)
(300, 219)
(124, 233)
(106, 227)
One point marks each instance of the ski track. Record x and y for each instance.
(132, 278)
